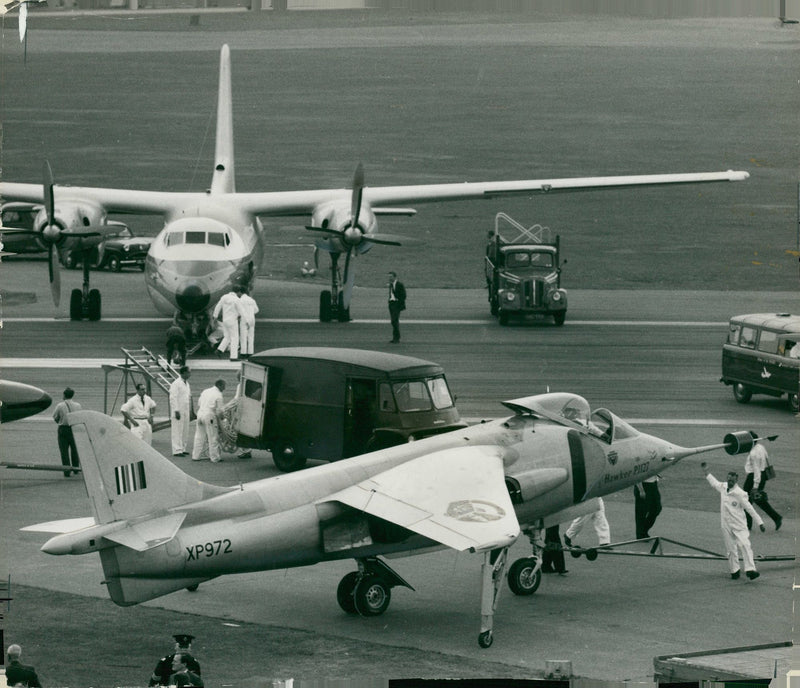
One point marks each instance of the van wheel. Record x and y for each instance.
(286, 459)
(504, 318)
(559, 318)
(741, 393)
(794, 402)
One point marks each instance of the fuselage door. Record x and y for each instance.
(253, 399)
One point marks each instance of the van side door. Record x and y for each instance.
(252, 399)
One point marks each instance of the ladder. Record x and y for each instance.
(155, 368)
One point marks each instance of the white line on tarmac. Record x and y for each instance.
(379, 321)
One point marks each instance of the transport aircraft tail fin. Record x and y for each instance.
(223, 180)
(125, 477)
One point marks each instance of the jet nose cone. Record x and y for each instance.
(18, 400)
(192, 298)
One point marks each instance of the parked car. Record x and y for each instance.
(116, 251)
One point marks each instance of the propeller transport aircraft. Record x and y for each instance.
(211, 240)
(477, 489)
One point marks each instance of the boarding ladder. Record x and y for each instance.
(144, 364)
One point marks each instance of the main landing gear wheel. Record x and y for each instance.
(325, 309)
(345, 593)
(524, 577)
(741, 393)
(93, 305)
(372, 596)
(193, 587)
(76, 305)
(342, 313)
(485, 639)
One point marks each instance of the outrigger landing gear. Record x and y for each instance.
(492, 569)
(368, 591)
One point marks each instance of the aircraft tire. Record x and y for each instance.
(193, 587)
(523, 578)
(372, 595)
(76, 305)
(345, 592)
(325, 310)
(94, 304)
(741, 393)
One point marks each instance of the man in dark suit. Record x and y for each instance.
(397, 303)
(164, 670)
(18, 674)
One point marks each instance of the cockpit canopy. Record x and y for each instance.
(573, 411)
(197, 231)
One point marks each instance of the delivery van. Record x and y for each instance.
(326, 403)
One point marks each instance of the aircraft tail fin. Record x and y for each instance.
(223, 180)
(124, 476)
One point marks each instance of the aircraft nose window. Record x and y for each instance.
(195, 237)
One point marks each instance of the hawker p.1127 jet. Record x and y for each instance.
(158, 530)
(211, 240)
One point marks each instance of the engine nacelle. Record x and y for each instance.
(336, 216)
(739, 442)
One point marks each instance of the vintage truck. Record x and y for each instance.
(523, 272)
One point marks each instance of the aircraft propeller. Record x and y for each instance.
(352, 236)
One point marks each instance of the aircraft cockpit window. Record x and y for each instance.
(576, 410)
(216, 238)
(174, 238)
(601, 425)
(439, 393)
(412, 396)
(195, 237)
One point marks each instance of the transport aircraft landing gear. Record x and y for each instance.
(368, 591)
(85, 304)
(331, 301)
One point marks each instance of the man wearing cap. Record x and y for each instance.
(138, 411)
(180, 406)
(163, 672)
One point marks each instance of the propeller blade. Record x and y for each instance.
(391, 239)
(47, 174)
(316, 257)
(55, 274)
(349, 280)
(358, 188)
(16, 230)
(326, 230)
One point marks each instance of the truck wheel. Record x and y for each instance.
(325, 306)
(741, 393)
(559, 318)
(494, 307)
(286, 459)
(114, 264)
(504, 318)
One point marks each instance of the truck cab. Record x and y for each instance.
(305, 403)
(523, 273)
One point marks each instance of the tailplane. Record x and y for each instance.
(125, 477)
(223, 180)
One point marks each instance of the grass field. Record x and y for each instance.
(433, 98)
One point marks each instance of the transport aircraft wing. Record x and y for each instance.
(437, 496)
